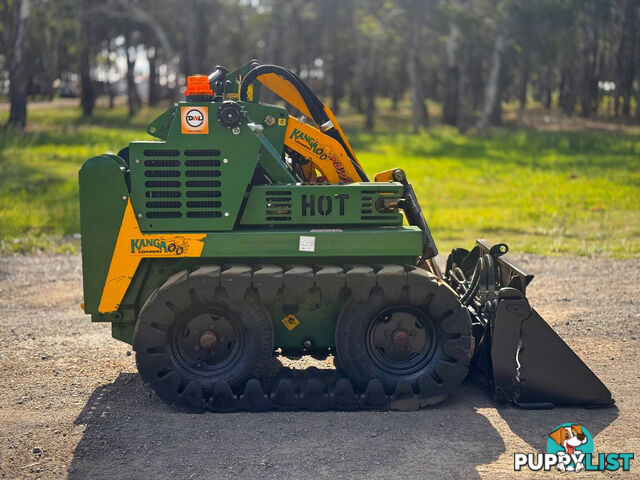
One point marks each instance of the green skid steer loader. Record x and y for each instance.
(244, 233)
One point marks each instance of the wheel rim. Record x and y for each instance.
(207, 343)
(401, 339)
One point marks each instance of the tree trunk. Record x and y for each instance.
(626, 54)
(337, 81)
(418, 108)
(491, 87)
(370, 109)
(359, 78)
(589, 58)
(18, 69)
(336, 95)
(51, 65)
(465, 114)
(524, 80)
(110, 89)
(547, 87)
(190, 33)
(395, 98)
(132, 91)
(147, 18)
(450, 103)
(152, 56)
(567, 98)
(87, 94)
(496, 114)
(370, 81)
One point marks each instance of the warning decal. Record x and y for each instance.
(290, 321)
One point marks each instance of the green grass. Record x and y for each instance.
(541, 192)
(39, 173)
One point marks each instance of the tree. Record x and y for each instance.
(131, 52)
(452, 77)
(418, 106)
(18, 67)
(491, 86)
(87, 88)
(626, 69)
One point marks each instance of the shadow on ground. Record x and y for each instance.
(534, 426)
(129, 433)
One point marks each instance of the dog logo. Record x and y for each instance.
(195, 119)
(570, 449)
(570, 442)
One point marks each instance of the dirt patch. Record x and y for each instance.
(72, 405)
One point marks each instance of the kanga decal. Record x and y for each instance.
(131, 246)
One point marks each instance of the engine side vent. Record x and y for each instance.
(201, 187)
(162, 173)
(202, 184)
(165, 167)
(367, 203)
(161, 152)
(162, 184)
(202, 173)
(202, 163)
(161, 163)
(202, 153)
(164, 204)
(210, 214)
(162, 194)
(278, 206)
(174, 177)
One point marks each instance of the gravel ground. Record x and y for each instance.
(72, 405)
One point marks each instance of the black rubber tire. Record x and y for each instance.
(165, 310)
(448, 364)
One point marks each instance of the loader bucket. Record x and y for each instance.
(532, 366)
(519, 356)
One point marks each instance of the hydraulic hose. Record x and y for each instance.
(474, 285)
(312, 102)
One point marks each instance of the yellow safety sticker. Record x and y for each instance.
(282, 122)
(290, 321)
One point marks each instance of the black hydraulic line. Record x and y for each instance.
(414, 215)
(311, 100)
(474, 285)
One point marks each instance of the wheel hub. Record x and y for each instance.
(207, 343)
(208, 340)
(401, 339)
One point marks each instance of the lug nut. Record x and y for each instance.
(208, 340)
(400, 339)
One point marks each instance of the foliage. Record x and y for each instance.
(358, 50)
